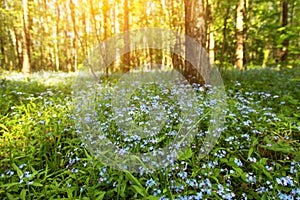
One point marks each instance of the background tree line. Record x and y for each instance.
(59, 34)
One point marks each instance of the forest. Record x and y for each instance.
(155, 100)
(59, 35)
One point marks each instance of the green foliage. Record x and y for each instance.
(256, 156)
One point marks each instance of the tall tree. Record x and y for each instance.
(211, 32)
(37, 34)
(126, 61)
(224, 35)
(239, 55)
(195, 27)
(195, 21)
(25, 39)
(75, 33)
(57, 33)
(106, 9)
(285, 43)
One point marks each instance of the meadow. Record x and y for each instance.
(257, 155)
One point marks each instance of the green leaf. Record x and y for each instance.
(153, 198)
(267, 173)
(224, 160)
(37, 184)
(279, 147)
(138, 187)
(19, 172)
(281, 28)
(140, 190)
(8, 185)
(10, 196)
(122, 191)
(87, 154)
(261, 165)
(263, 161)
(23, 194)
(4, 127)
(238, 170)
(250, 152)
(255, 142)
(133, 179)
(186, 155)
(101, 195)
(293, 101)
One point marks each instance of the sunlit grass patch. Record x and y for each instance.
(256, 156)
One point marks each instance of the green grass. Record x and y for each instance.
(257, 155)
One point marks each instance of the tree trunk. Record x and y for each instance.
(195, 27)
(285, 44)
(239, 55)
(211, 50)
(25, 39)
(224, 35)
(92, 12)
(56, 41)
(105, 25)
(212, 32)
(126, 61)
(116, 27)
(195, 21)
(18, 43)
(245, 30)
(74, 40)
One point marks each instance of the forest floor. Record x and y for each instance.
(257, 155)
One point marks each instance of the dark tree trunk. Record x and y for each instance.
(285, 43)
(224, 35)
(25, 39)
(195, 27)
(126, 57)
